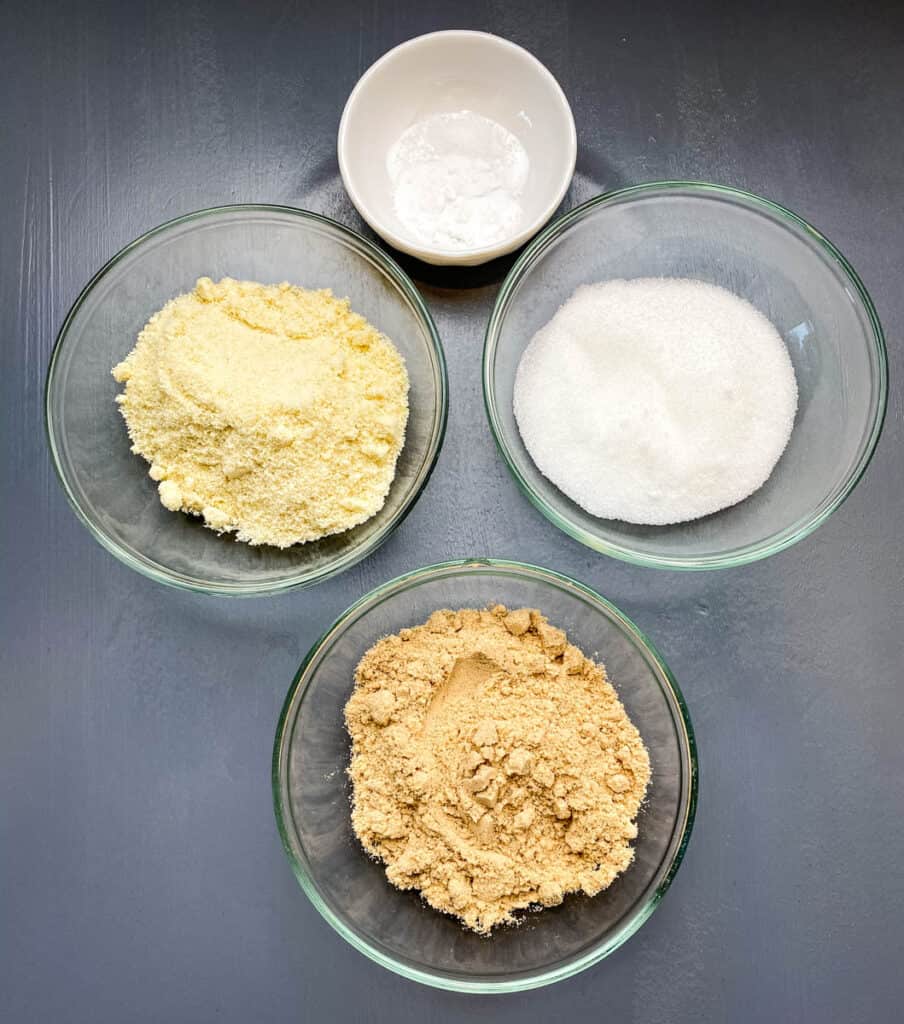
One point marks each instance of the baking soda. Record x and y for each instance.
(457, 179)
(656, 400)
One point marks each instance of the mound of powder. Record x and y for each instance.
(656, 400)
(493, 766)
(271, 411)
(457, 179)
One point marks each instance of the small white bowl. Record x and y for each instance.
(446, 72)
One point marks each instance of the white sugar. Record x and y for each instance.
(656, 400)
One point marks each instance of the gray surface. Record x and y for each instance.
(141, 878)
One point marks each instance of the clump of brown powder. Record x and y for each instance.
(493, 765)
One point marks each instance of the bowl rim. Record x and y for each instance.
(456, 257)
(739, 556)
(183, 581)
(291, 710)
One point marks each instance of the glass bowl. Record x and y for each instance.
(109, 487)
(780, 264)
(311, 790)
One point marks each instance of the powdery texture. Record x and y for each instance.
(493, 766)
(656, 400)
(270, 410)
(457, 181)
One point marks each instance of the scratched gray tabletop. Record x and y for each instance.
(141, 877)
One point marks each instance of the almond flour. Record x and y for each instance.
(493, 765)
(271, 411)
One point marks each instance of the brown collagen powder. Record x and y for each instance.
(493, 765)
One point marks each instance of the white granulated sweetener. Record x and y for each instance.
(656, 400)
(457, 179)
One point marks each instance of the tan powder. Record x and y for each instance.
(493, 766)
(270, 410)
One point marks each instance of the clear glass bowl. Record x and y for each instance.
(311, 790)
(780, 264)
(109, 487)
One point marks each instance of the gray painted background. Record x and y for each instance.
(141, 878)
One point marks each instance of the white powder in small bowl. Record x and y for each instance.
(457, 180)
(656, 400)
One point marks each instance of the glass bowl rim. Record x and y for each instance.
(291, 711)
(390, 269)
(751, 552)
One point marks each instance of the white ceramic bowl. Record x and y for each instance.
(445, 72)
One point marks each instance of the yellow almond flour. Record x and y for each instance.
(493, 765)
(270, 410)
